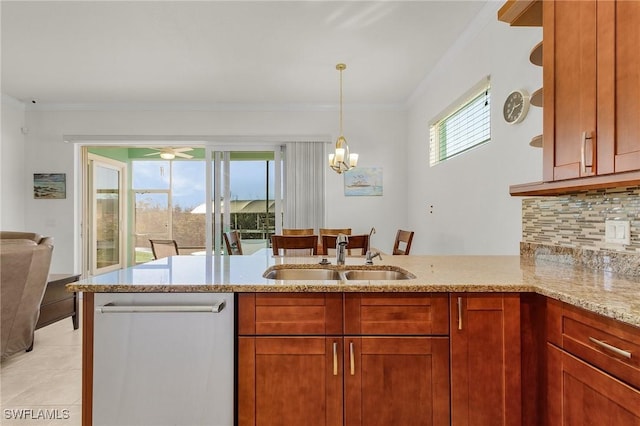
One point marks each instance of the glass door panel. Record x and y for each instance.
(152, 221)
(244, 197)
(106, 195)
(188, 208)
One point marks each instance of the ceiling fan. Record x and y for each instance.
(169, 153)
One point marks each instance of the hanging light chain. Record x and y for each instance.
(341, 67)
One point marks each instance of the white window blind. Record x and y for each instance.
(464, 126)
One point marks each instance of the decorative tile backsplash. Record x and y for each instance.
(571, 229)
(578, 220)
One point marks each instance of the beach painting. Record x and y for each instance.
(363, 181)
(49, 186)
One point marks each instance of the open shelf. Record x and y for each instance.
(536, 98)
(521, 13)
(535, 57)
(536, 141)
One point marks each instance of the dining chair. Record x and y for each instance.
(331, 231)
(355, 242)
(164, 248)
(302, 245)
(402, 245)
(297, 231)
(232, 241)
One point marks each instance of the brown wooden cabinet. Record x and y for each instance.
(618, 149)
(591, 96)
(485, 359)
(289, 381)
(290, 359)
(396, 351)
(390, 357)
(570, 63)
(593, 371)
(580, 394)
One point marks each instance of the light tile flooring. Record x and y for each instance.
(44, 385)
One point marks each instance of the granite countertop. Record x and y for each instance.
(606, 293)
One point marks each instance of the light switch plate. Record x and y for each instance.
(617, 232)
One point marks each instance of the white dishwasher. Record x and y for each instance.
(163, 359)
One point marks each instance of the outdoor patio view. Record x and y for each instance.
(170, 204)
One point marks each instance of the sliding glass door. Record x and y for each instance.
(246, 190)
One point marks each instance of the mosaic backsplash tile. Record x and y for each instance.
(578, 220)
(571, 229)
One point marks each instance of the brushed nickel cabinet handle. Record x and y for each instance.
(611, 348)
(352, 361)
(335, 358)
(583, 152)
(583, 155)
(459, 313)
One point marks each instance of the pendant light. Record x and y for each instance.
(341, 160)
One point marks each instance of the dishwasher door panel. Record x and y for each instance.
(163, 368)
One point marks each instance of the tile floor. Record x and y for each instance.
(45, 382)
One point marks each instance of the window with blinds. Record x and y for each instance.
(466, 125)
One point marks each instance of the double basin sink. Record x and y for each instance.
(342, 273)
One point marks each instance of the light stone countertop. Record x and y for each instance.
(605, 293)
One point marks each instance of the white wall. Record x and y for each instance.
(378, 136)
(472, 211)
(13, 183)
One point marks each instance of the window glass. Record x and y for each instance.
(467, 126)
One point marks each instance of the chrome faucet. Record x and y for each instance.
(341, 248)
(370, 256)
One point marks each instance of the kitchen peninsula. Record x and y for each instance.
(465, 337)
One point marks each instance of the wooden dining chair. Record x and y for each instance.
(402, 244)
(232, 241)
(330, 231)
(297, 231)
(355, 242)
(301, 245)
(164, 248)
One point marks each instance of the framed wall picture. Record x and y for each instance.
(363, 181)
(49, 186)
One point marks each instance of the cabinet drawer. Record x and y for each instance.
(289, 314)
(603, 342)
(396, 314)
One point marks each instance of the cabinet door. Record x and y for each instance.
(396, 381)
(579, 394)
(618, 86)
(289, 381)
(485, 359)
(569, 60)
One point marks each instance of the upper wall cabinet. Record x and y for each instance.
(591, 104)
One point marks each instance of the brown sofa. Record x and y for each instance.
(25, 259)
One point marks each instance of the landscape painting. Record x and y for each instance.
(363, 181)
(49, 185)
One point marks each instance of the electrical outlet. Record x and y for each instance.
(617, 232)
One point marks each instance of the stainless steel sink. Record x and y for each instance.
(368, 274)
(302, 274)
(375, 273)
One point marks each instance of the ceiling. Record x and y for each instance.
(224, 52)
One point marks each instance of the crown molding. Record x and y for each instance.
(263, 107)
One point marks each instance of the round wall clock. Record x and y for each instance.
(516, 106)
